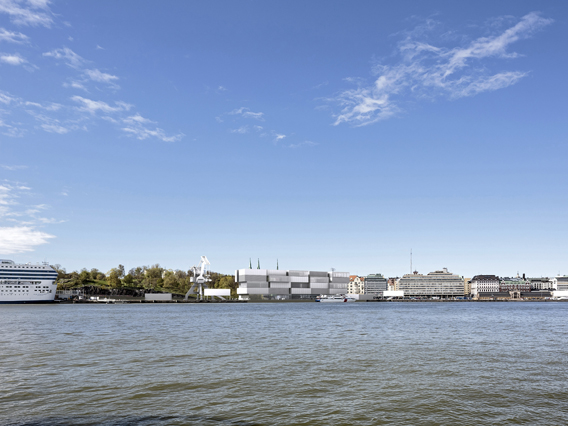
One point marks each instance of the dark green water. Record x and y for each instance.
(285, 364)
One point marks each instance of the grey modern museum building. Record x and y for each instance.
(293, 284)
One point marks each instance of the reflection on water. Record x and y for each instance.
(266, 364)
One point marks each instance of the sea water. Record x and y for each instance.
(284, 364)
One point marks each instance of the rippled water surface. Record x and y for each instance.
(287, 363)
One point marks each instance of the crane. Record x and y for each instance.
(199, 280)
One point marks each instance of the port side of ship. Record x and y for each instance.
(26, 283)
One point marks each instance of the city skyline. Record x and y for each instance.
(330, 135)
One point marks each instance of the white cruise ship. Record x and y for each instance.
(26, 283)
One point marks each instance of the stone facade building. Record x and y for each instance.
(484, 284)
(435, 284)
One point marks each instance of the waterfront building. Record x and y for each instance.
(438, 284)
(467, 286)
(541, 283)
(392, 283)
(290, 284)
(560, 283)
(484, 284)
(514, 284)
(356, 285)
(375, 284)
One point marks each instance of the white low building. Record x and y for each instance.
(560, 283)
(393, 294)
(560, 294)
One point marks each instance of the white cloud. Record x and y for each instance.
(75, 85)
(12, 59)
(55, 128)
(27, 12)
(136, 126)
(24, 235)
(80, 110)
(101, 77)
(246, 113)
(137, 118)
(99, 47)
(12, 168)
(427, 71)
(21, 239)
(6, 99)
(242, 130)
(12, 37)
(6, 195)
(279, 137)
(67, 55)
(305, 143)
(141, 132)
(94, 106)
(50, 107)
(10, 130)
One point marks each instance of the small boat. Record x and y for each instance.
(338, 298)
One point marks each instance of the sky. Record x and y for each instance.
(321, 134)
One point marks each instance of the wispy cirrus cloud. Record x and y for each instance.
(133, 125)
(139, 127)
(102, 77)
(92, 107)
(12, 167)
(428, 71)
(242, 130)
(68, 56)
(301, 144)
(13, 37)
(247, 113)
(28, 12)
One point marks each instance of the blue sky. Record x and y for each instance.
(323, 134)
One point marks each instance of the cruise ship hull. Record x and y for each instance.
(26, 283)
(25, 292)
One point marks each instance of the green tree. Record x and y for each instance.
(228, 281)
(84, 277)
(128, 280)
(120, 271)
(153, 277)
(113, 278)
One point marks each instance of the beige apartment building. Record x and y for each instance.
(356, 285)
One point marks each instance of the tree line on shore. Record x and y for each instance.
(151, 278)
